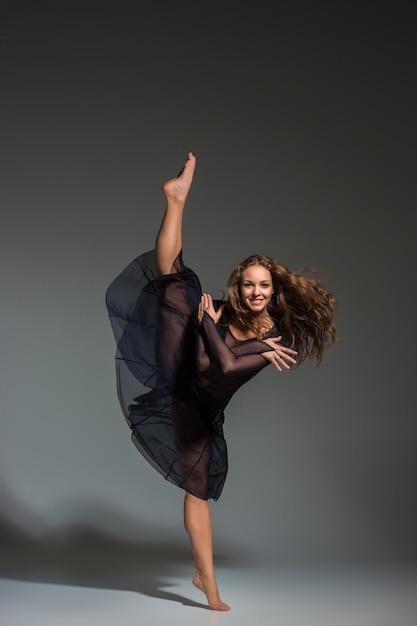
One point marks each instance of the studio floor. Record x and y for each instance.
(358, 597)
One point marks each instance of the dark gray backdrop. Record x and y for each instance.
(303, 122)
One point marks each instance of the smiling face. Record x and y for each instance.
(256, 288)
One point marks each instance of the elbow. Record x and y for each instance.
(227, 369)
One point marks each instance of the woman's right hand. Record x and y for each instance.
(206, 306)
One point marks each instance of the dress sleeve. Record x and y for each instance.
(230, 361)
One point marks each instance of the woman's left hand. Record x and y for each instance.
(206, 306)
(280, 356)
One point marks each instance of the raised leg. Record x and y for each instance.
(169, 239)
(197, 521)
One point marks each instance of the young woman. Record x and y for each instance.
(195, 353)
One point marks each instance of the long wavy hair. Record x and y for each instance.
(300, 306)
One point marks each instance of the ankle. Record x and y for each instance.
(205, 575)
(175, 203)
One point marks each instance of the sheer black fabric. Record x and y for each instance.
(191, 369)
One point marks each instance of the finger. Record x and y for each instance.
(284, 364)
(278, 362)
(204, 301)
(282, 360)
(276, 340)
(286, 350)
(288, 360)
(287, 357)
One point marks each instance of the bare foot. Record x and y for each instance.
(176, 190)
(209, 587)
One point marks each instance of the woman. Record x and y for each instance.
(194, 353)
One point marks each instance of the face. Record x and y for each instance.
(256, 288)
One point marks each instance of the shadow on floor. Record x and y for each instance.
(85, 556)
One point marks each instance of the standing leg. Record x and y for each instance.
(169, 239)
(197, 521)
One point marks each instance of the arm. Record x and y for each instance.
(229, 362)
(272, 351)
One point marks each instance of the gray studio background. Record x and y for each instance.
(303, 124)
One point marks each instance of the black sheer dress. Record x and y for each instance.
(191, 369)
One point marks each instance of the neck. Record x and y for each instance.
(259, 325)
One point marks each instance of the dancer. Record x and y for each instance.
(194, 353)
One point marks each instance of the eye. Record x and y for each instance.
(265, 285)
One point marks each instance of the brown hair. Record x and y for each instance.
(300, 306)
